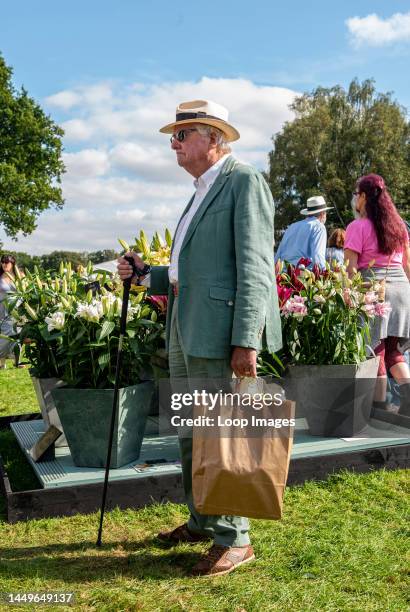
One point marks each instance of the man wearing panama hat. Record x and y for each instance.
(306, 238)
(223, 305)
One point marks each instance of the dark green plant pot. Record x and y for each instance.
(86, 415)
(336, 400)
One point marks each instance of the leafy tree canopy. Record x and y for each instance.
(336, 137)
(51, 261)
(30, 159)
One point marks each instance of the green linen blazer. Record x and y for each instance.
(227, 287)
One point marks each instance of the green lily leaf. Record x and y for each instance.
(104, 360)
(107, 328)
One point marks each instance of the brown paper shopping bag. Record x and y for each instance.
(243, 472)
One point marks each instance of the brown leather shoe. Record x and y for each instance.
(182, 534)
(222, 559)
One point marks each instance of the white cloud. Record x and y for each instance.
(376, 31)
(88, 162)
(76, 129)
(137, 159)
(98, 192)
(92, 95)
(80, 215)
(64, 99)
(130, 215)
(121, 173)
(137, 113)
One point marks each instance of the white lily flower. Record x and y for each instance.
(56, 321)
(90, 312)
(132, 312)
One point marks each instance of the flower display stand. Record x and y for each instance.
(65, 490)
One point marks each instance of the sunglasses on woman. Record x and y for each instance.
(181, 134)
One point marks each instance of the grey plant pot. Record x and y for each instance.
(86, 416)
(336, 400)
(43, 388)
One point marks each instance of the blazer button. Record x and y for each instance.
(230, 303)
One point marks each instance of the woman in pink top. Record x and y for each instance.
(377, 244)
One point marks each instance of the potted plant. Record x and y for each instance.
(156, 253)
(71, 319)
(39, 353)
(326, 317)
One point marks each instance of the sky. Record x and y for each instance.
(111, 73)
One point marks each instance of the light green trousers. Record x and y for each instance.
(226, 530)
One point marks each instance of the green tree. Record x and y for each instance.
(51, 261)
(97, 257)
(336, 137)
(30, 158)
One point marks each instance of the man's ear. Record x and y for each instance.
(212, 141)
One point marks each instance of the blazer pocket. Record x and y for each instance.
(218, 209)
(221, 293)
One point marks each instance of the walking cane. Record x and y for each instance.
(123, 324)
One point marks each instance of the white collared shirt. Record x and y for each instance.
(202, 185)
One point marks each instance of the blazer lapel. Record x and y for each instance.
(210, 196)
(187, 207)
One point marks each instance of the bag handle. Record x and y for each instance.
(371, 350)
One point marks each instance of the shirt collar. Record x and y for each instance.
(207, 179)
(312, 218)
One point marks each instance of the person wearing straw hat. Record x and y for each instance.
(306, 238)
(223, 304)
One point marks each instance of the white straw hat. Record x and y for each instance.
(206, 112)
(315, 205)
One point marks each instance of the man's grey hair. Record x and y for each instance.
(221, 142)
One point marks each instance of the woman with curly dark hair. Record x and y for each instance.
(378, 244)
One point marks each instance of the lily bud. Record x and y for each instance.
(105, 305)
(69, 271)
(168, 237)
(30, 311)
(124, 244)
(144, 244)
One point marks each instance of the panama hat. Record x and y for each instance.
(206, 112)
(315, 205)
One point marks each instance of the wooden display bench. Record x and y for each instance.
(65, 490)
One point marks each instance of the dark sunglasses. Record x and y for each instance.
(181, 134)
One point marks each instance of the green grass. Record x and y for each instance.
(341, 546)
(17, 394)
